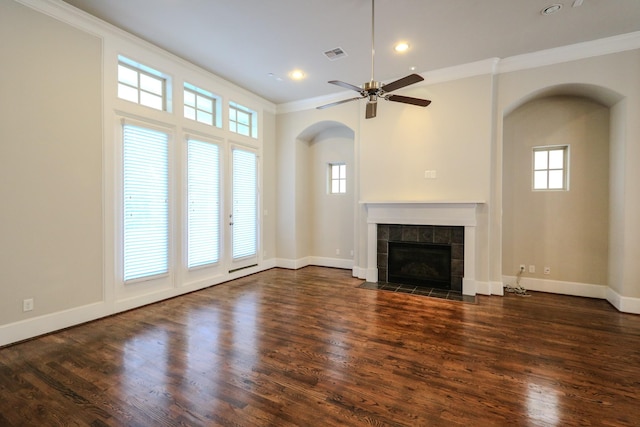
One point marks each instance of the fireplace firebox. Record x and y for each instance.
(425, 264)
(432, 237)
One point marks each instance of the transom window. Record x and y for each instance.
(337, 178)
(201, 105)
(550, 165)
(243, 120)
(141, 84)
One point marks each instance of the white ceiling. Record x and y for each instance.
(244, 41)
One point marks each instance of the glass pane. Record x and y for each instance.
(232, 114)
(343, 186)
(151, 100)
(243, 129)
(189, 98)
(556, 159)
(128, 76)
(205, 104)
(540, 160)
(189, 113)
(343, 171)
(540, 180)
(151, 84)
(127, 93)
(232, 126)
(205, 117)
(556, 181)
(335, 186)
(243, 118)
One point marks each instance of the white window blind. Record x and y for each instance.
(203, 188)
(244, 177)
(146, 209)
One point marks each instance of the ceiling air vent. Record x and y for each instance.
(336, 53)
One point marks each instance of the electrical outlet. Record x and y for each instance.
(27, 304)
(547, 270)
(522, 268)
(532, 268)
(337, 251)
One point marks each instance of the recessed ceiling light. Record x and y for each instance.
(297, 75)
(551, 9)
(401, 47)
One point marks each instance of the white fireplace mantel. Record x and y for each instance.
(453, 213)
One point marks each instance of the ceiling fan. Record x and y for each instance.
(374, 90)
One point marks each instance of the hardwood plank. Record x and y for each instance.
(307, 347)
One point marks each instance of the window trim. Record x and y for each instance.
(340, 179)
(141, 69)
(565, 166)
(216, 101)
(253, 119)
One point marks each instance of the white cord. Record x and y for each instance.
(517, 289)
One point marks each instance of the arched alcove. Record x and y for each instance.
(568, 231)
(325, 221)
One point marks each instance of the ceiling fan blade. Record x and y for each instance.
(372, 109)
(405, 81)
(345, 85)
(408, 100)
(333, 104)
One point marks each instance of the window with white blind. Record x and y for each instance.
(203, 217)
(245, 204)
(145, 202)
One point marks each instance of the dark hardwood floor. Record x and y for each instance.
(309, 348)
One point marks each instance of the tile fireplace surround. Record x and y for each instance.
(443, 213)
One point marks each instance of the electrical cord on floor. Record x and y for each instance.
(517, 289)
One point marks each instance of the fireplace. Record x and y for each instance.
(416, 263)
(427, 255)
(442, 220)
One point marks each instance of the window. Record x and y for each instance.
(242, 120)
(337, 178)
(550, 168)
(201, 105)
(203, 195)
(141, 84)
(245, 203)
(146, 202)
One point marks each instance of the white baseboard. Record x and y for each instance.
(33, 327)
(29, 328)
(295, 264)
(559, 287)
(359, 272)
(623, 304)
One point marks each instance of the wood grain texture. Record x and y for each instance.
(308, 348)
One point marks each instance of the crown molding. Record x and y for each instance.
(574, 52)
